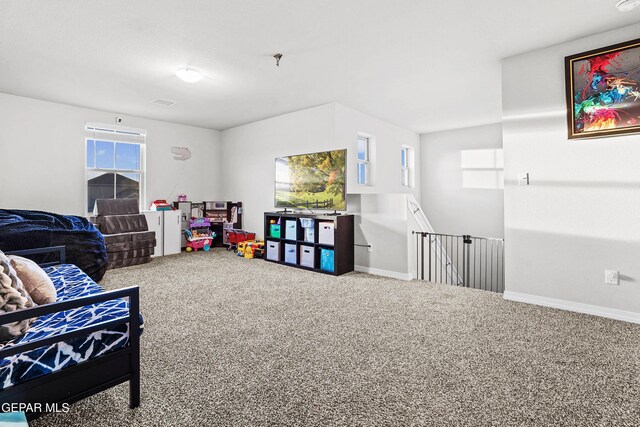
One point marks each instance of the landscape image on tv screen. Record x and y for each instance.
(312, 181)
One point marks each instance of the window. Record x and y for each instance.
(406, 161)
(114, 165)
(362, 164)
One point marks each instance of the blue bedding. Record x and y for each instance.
(20, 229)
(70, 282)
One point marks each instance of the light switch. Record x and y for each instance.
(523, 178)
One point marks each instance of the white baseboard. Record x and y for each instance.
(595, 310)
(385, 273)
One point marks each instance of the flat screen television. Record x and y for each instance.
(312, 181)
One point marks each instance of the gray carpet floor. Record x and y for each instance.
(230, 341)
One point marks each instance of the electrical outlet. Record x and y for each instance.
(370, 248)
(611, 277)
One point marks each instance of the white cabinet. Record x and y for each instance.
(154, 222)
(167, 227)
(171, 232)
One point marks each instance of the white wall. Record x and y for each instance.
(249, 152)
(382, 206)
(462, 180)
(580, 215)
(388, 140)
(42, 152)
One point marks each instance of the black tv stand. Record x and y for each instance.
(295, 241)
(334, 213)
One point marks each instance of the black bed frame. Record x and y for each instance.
(87, 378)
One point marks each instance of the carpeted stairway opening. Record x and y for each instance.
(232, 341)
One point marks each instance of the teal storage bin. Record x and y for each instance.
(274, 230)
(326, 260)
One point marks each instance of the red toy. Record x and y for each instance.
(236, 236)
(160, 205)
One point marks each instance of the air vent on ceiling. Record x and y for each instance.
(162, 101)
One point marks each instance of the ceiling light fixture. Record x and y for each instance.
(189, 75)
(278, 56)
(627, 5)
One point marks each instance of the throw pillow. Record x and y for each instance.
(36, 282)
(13, 297)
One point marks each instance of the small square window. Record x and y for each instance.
(363, 149)
(127, 156)
(362, 173)
(104, 155)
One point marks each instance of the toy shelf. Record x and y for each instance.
(327, 248)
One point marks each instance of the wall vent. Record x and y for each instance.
(164, 102)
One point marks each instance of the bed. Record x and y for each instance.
(78, 346)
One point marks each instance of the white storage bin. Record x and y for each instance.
(273, 250)
(307, 256)
(325, 233)
(290, 251)
(290, 230)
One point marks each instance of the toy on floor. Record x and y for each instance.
(199, 234)
(251, 249)
(235, 236)
(242, 246)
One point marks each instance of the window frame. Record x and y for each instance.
(406, 169)
(88, 170)
(366, 162)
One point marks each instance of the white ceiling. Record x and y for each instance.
(423, 64)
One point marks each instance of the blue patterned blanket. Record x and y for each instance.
(70, 282)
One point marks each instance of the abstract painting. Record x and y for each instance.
(603, 91)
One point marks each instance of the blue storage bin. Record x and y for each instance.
(326, 260)
(290, 252)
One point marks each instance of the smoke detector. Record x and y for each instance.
(627, 5)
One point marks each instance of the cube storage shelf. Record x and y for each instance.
(326, 247)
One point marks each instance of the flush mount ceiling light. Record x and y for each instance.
(627, 5)
(190, 75)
